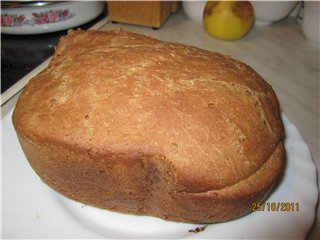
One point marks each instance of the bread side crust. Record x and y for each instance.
(143, 184)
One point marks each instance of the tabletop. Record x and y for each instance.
(278, 52)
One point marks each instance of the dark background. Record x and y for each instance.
(20, 54)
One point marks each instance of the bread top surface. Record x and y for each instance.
(210, 117)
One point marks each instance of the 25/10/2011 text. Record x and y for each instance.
(275, 206)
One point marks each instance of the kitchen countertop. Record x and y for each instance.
(279, 53)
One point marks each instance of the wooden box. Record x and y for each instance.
(146, 13)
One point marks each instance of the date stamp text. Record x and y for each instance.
(275, 206)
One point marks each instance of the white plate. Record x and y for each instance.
(31, 210)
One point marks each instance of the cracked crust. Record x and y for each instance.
(129, 123)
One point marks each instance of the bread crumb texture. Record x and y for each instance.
(126, 122)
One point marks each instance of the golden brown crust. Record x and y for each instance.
(126, 122)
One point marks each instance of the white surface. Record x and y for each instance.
(31, 210)
(80, 13)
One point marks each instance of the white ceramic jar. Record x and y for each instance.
(267, 12)
(194, 10)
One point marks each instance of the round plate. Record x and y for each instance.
(287, 213)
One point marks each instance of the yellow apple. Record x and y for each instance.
(228, 20)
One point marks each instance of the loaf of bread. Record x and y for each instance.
(125, 122)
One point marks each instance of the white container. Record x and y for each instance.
(267, 12)
(43, 17)
(311, 22)
(194, 10)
